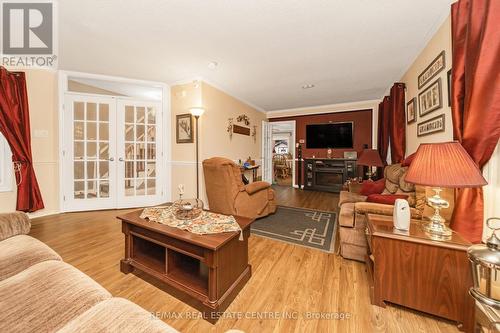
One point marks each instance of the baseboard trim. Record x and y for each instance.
(43, 214)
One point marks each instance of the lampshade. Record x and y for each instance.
(370, 157)
(445, 164)
(197, 111)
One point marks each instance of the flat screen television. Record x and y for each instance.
(331, 135)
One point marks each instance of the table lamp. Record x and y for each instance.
(438, 165)
(370, 158)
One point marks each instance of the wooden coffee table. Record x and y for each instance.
(209, 269)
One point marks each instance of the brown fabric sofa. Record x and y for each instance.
(354, 208)
(41, 293)
(228, 195)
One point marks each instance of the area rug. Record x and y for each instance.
(304, 227)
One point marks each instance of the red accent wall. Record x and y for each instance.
(362, 130)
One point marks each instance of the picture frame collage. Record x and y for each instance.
(430, 98)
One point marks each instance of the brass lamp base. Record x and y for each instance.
(370, 173)
(437, 228)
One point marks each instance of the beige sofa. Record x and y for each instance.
(354, 208)
(41, 293)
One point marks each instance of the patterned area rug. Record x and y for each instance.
(305, 227)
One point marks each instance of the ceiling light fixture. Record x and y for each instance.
(308, 86)
(212, 65)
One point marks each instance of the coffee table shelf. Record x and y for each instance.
(191, 271)
(149, 254)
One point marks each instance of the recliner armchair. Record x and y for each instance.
(227, 194)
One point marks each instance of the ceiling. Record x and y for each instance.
(123, 89)
(266, 50)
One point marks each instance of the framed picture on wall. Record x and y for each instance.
(431, 126)
(411, 111)
(436, 66)
(184, 128)
(431, 98)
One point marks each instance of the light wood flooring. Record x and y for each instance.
(284, 181)
(286, 279)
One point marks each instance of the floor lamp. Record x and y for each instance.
(197, 112)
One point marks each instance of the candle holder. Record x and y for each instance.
(187, 209)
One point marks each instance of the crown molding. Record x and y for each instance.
(218, 87)
(329, 108)
(186, 81)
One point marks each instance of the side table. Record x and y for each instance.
(413, 270)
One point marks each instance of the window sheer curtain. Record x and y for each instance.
(15, 126)
(491, 192)
(475, 100)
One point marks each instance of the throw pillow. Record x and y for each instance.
(370, 187)
(408, 160)
(386, 199)
(403, 185)
(392, 174)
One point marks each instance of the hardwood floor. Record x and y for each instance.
(289, 196)
(287, 280)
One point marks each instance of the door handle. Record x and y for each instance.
(111, 159)
(120, 159)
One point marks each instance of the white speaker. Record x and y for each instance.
(401, 215)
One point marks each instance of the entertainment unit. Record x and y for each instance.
(328, 174)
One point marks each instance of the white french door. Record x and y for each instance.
(111, 153)
(139, 152)
(267, 153)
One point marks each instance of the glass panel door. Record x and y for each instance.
(89, 150)
(267, 156)
(138, 150)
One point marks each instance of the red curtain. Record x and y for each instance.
(475, 100)
(397, 121)
(383, 128)
(15, 127)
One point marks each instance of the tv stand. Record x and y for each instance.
(328, 174)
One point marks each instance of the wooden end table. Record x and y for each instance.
(253, 168)
(209, 269)
(410, 268)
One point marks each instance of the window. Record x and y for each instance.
(281, 146)
(5, 166)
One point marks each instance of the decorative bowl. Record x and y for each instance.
(187, 209)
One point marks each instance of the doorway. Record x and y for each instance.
(280, 146)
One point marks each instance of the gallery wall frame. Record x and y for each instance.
(431, 126)
(411, 111)
(431, 98)
(434, 68)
